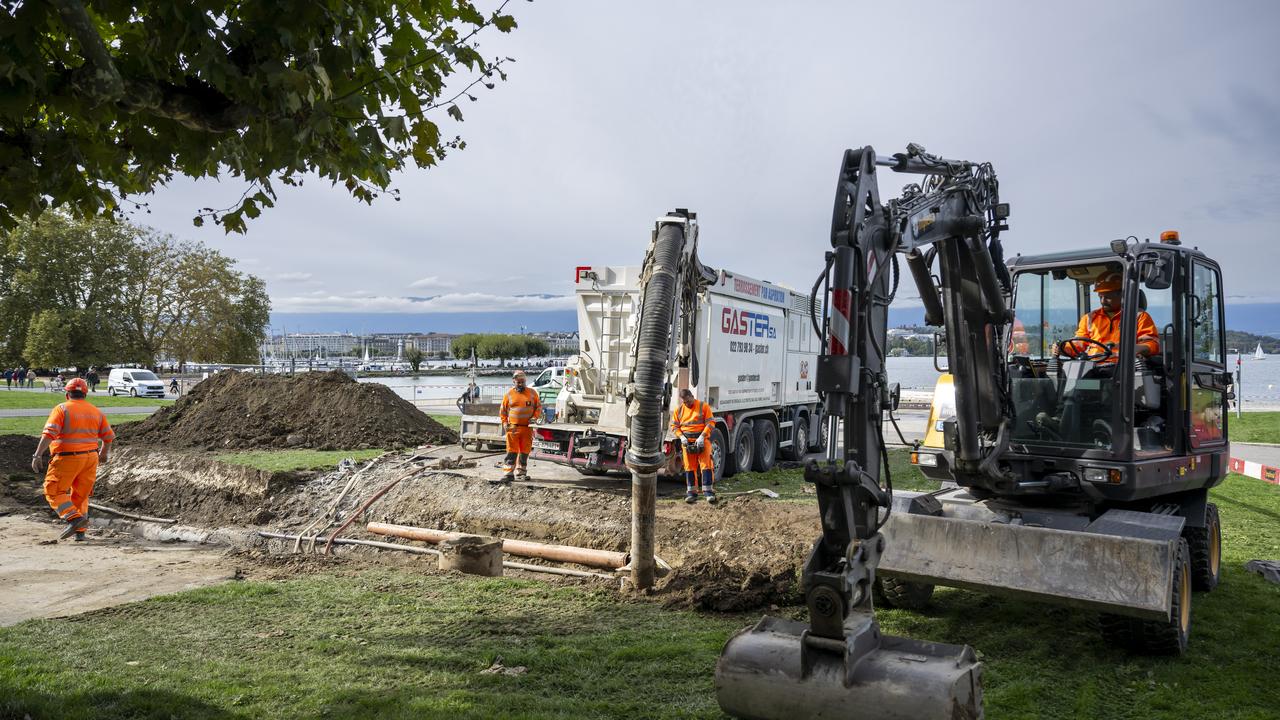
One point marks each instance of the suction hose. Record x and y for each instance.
(648, 396)
(653, 350)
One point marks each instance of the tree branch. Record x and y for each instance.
(105, 82)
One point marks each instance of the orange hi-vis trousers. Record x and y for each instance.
(695, 461)
(69, 483)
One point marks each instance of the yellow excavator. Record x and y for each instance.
(1072, 476)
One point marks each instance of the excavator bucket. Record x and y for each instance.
(777, 670)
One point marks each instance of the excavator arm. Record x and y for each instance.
(839, 664)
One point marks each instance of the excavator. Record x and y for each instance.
(1075, 472)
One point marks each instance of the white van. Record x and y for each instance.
(135, 382)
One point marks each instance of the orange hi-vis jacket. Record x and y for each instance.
(520, 407)
(691, 422)
(1104, 328)
(77, 426)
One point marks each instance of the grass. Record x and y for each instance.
(1259, 427)
(398, 644)
(790, 484)
(35, 425)
(25, 399)
(453, 422)
(282, 460)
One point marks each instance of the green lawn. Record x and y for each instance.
(399, 644)
(790, 484)
(23, 399)
(453, 422)
(1260, 427)
(280, 460)
(34, 425)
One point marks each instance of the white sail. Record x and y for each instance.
(1258, 354)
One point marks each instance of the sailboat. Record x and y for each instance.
(1258, 354)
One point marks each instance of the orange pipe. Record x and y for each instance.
(561, 553)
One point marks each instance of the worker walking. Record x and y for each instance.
(691, 421)
(78, 437)
(520, 407)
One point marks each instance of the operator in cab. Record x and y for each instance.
(1103, 326)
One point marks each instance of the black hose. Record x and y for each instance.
(653, 349)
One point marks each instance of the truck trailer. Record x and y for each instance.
(754, 357)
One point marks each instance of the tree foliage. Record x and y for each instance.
(104, 100)
(494, 346)
(122, 293)
(414, 357)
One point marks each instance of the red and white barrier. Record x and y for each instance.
(1266, 473)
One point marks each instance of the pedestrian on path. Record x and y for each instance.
(8, 378)
(78, 437)
(31, 379)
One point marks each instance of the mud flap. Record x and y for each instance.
(1127, 574)
(776, 671)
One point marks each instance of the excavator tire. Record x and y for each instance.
(1206, 551)
(904, 594)
(1158, 637)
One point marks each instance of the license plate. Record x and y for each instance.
(546, 445)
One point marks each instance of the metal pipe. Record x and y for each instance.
(928, 290)
(606, 559)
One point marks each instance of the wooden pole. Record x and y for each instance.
(644, 496)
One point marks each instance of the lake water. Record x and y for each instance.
(1260, 381)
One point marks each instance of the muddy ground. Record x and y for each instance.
(741, 554)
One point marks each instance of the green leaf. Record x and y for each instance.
(455, 112)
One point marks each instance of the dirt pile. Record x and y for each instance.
(15, 453)
(326, 411)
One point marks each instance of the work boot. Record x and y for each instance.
(79, 537)
(74, 525)
(690, 496)
(710, 495)
(502, 480)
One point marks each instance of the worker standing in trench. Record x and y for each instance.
(691, 421)
(79, 437)
(520, 407)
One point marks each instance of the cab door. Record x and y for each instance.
(1207, 380)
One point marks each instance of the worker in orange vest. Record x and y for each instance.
(692, 422)
(78, 437)
(520, 407)
(1103, 325)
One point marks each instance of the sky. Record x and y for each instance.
(1102, 119)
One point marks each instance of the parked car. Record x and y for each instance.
(135, 382)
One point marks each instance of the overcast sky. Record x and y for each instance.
(1103, 119)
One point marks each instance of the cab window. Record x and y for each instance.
(1206, 321)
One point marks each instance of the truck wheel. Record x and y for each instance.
(766, 445)
(1206, 551)
(719, 454)
(799, 446)
(818, 436)
(1158, 637)
(903, 593)
(744, 450)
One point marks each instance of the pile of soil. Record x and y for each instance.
(16, 452)
(325, 411)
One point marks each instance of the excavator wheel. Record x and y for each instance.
(1206, 551)
(904, 594)
(1158, 637)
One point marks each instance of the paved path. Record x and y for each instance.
(1261, 454)
(44, 412)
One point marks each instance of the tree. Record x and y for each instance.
(414, 357)
(536, 347)
(464, 345)
(48, 340)
(103, 100)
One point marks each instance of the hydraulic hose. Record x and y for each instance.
(653, 349)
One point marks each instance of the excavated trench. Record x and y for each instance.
(740, 555)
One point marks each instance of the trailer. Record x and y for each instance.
(754, 360)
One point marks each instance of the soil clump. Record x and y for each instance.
(324, 411)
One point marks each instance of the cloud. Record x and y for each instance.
(293, 276)
(449, 302)
(432, 281)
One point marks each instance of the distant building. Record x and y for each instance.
(313, 344)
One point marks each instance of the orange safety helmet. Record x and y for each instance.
(1109, 282)
(77, 384)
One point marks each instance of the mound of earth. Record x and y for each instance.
(16, 452)
(233, 410)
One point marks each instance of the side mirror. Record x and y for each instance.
(1155, 272)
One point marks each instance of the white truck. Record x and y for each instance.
(755, 361)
